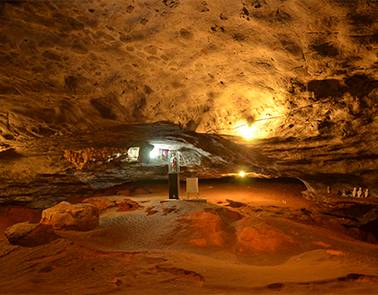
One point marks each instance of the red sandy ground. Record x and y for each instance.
(181, 247)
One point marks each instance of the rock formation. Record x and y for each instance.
(30, 234)
(68, 216)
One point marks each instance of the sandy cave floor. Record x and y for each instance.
(253, 238)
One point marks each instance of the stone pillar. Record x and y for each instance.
(174, 185)
(174, 174)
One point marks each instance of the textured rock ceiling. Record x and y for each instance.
(74, 66)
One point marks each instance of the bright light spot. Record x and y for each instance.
(247, 131)
(154, 153)
(133, 153)
(242, 174)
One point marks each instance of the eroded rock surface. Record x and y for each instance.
(66, 216)
(304, 72)
(30, 234)
(103, 204)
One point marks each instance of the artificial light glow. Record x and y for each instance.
(159, 150)
(242, 174)
(154, 153)
(247, 131)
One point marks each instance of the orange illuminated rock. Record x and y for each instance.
(30, 234)
(334, 252)
(206, 229)
(69, 216)
(103, 203)
(260, 239)
(321, 244)
(127, 205)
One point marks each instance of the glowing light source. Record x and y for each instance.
(247, 131)
(154, 154)
(133, 154)
(242, 174)
(160, 150)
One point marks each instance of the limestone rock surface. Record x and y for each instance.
(303, 72)
(102, 204)
(66, 216)
(30, 234)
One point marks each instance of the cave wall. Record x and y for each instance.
(76, 66)
(70, 65)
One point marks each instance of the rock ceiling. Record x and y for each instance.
(69, 67)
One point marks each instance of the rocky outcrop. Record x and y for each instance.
(66, 216)
(83, 158)
(261, 239)
(30, 234)
(100, 203)
(206, 228)
(103, 204)
(210, 228)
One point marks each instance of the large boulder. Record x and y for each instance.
(30, 234)
(71, 216)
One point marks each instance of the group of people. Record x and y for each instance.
(357, 193)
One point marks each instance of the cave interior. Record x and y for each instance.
(109, 108)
